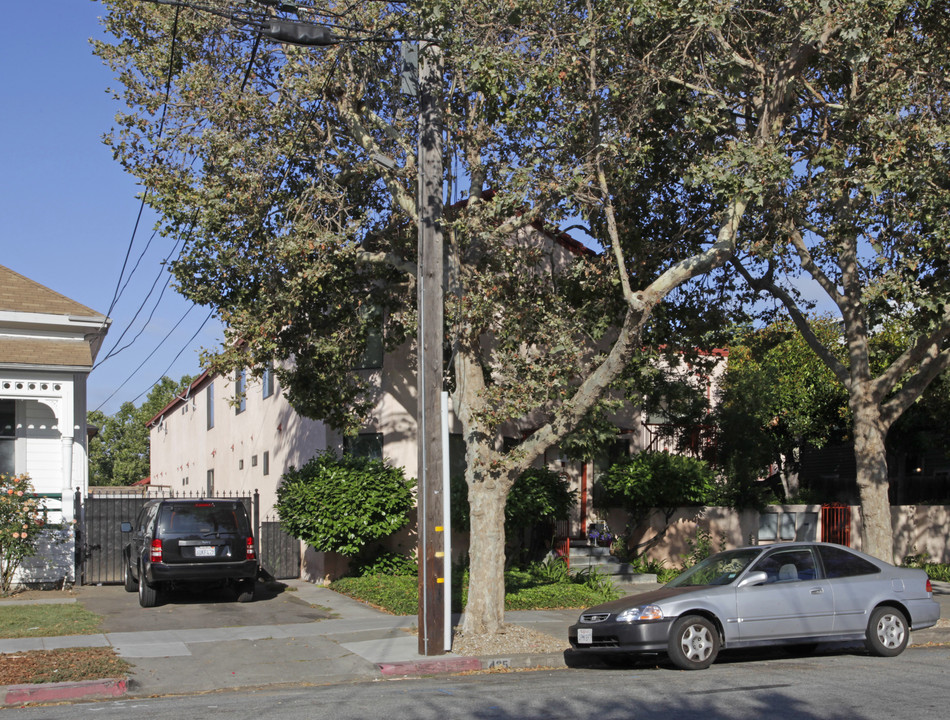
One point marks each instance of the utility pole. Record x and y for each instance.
(432, 526)
(433, 564)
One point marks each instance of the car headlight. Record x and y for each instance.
(646, 612)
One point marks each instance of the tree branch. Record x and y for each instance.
(801, 322)
(933, 364)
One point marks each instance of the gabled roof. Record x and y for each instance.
(20, 294)
(40, 328)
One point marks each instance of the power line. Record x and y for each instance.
(155, 350)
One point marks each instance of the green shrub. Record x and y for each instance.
(341, 505)
(386, 563)
(397, 594)
(554, 597)
(938, 571)
(530, 589)
(660, 480)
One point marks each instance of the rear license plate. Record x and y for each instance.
(585, 636)
(204, 551)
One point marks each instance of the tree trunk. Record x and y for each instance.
(871, 463)
(485, 612)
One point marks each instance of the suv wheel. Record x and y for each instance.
(130, 584)
(244, 591)
(148, 594)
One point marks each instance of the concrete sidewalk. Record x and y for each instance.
(357, 644)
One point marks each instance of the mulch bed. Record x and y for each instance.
(67, 665)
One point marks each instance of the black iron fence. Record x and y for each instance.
(100, 541)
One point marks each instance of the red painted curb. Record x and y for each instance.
(430, 667)
(56, 692)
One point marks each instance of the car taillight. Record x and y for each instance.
(251, 555)
(930, 588)
(156, 553)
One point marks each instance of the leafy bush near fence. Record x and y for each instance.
(343, 504)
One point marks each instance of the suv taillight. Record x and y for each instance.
(156, 552)
(251, 555)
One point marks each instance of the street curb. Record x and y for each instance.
(61, 691)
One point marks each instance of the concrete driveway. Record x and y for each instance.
(275, 603)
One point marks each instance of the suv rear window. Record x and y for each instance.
(202, 519)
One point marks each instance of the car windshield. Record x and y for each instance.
(719, 569)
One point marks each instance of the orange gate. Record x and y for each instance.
(836, 524)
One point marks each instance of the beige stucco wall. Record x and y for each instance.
(184, 449)
(917, 529)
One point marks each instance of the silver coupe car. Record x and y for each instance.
(793, 593)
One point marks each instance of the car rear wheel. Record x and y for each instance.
(244, 591)
(148, 594)
(694, 643)
(887, 633)
(130, 584)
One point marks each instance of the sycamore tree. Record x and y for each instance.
(862, 215)
(290, 174)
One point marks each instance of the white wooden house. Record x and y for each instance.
(48, 345)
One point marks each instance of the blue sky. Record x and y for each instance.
(68, 210)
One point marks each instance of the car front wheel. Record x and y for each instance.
(887, 633)
(694, 643)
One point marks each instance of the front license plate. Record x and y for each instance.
(204, 551)
(585, 636)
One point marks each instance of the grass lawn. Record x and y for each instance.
(23, 621)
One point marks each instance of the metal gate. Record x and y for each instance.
(100, 541)
(836, 524)
(280, 552)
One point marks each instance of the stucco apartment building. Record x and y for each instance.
(48, 345)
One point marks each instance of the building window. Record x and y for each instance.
(372, 357)
(369, 445)
(210, 483)
(240, 464)
(210, 397)
(7, 437)
(265, 463)
(253, 460)
(240, 391)
(267, 380)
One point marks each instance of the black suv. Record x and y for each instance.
(178, 542)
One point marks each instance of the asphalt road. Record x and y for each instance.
(746, 687)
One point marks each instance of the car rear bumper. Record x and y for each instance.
(646, 637)
(923, 613)
(200, 572)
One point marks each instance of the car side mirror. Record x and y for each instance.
(753, 578)
(126, 527)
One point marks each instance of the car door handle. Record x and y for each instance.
(817, 591)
